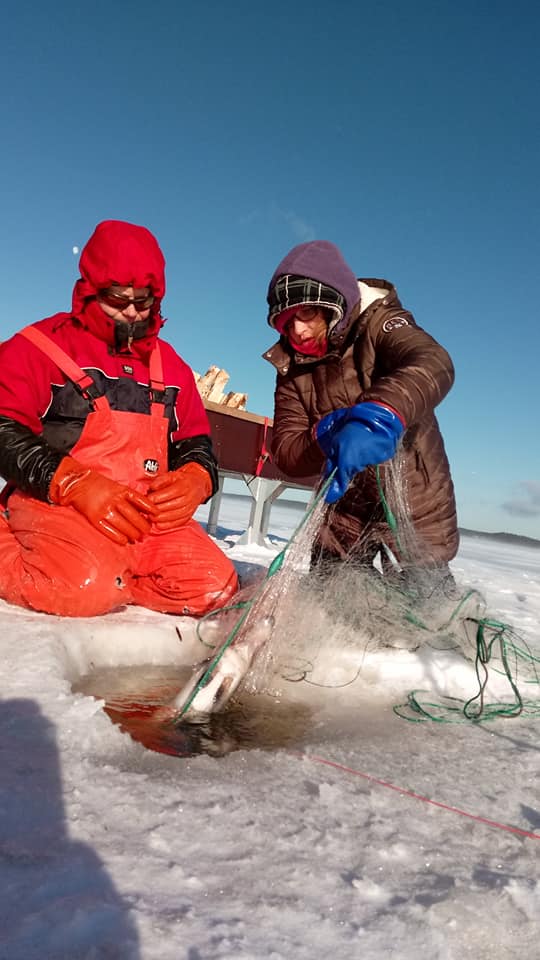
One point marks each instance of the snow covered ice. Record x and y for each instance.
(295, 845)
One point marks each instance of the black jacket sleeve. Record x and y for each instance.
(26, 459)
(198, 450)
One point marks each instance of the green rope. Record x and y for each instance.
(475, 708)
(411, 618)
(214, 613)
(388, 514)
(453, 710)
(525, 655)
(274, 567)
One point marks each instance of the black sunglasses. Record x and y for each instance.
(118, 302)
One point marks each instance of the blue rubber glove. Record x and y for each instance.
(352, 438)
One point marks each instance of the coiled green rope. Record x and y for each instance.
(476, 709)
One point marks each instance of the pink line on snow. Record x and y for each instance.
(416, 796)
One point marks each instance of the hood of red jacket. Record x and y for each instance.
(119, 253)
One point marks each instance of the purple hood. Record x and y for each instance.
(322, 261)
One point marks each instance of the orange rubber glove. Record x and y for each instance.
(119, 513)
(177, 494)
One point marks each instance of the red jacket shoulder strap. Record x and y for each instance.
(68, 366)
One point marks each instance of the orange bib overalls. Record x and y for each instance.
(55, 561)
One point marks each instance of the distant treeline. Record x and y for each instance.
(502, 537)
(298, 505)
(499, 537)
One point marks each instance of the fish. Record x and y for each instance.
(215, 680)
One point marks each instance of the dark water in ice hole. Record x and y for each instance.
(135, 698)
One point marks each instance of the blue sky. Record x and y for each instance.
(407, 133)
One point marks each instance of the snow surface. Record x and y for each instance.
(293, 843)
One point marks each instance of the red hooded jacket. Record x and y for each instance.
(37, 394)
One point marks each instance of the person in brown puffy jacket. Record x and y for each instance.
(358, 380)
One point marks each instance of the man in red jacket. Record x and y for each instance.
(105, 449)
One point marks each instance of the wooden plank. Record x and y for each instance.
(235, 400)
(211, 387)
(234, 413)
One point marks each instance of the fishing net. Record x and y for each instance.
(402, 599)
(412, 604)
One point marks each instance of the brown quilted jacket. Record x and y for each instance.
(382, 356)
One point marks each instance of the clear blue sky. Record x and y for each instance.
(407, 133)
